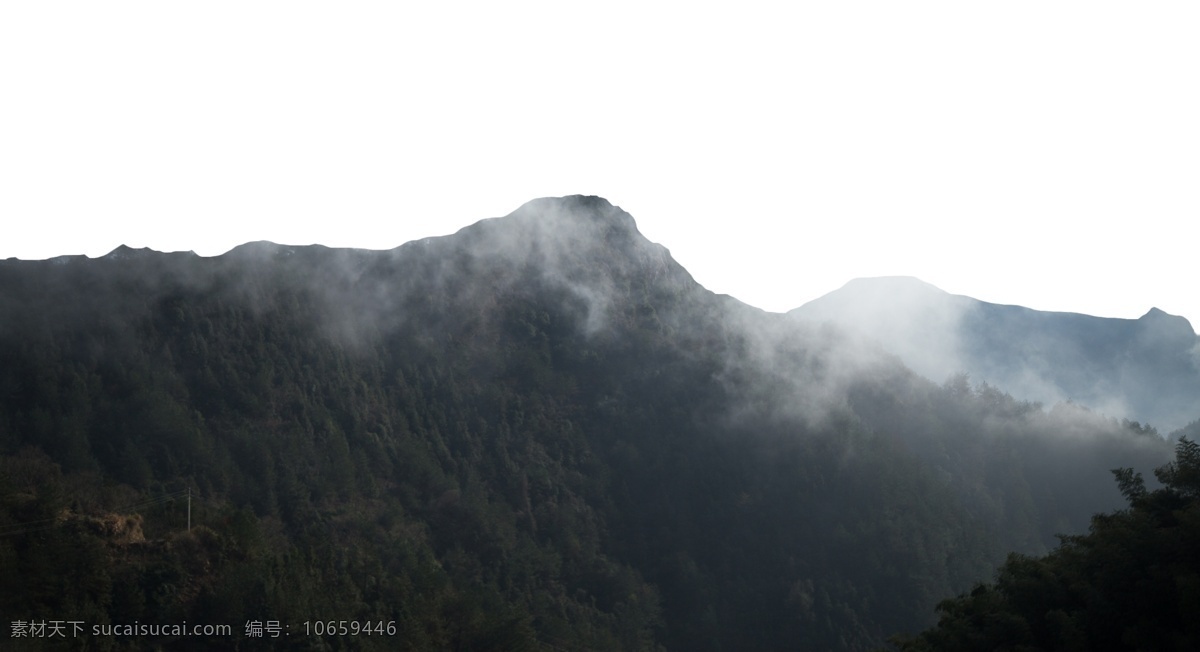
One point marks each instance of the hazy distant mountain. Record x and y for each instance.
(1145, 369)
(537, 433)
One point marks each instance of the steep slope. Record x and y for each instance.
(1146, 369)
(537, 432)
(1131, 583)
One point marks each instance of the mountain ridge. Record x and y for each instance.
(536, 432)
(590, 246)
(1147, 369)
(907, 282)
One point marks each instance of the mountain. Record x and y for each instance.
(1131, 583)
(537, 433)
(1146, 369)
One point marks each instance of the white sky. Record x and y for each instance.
(1038, 153)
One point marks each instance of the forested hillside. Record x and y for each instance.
(538, 433)
(1131, 583)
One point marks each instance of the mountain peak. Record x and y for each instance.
(1165, 322)
(889, 284)
(555, 229)
(125, 252)
(573, 201)
(258, 248)
(577, 209)
(878, 295)
(1140, 369)
(1156, 313)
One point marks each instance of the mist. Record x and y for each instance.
(552, 383)
(1143, 370)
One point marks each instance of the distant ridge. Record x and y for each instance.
(1145, 369)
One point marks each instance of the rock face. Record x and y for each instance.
(1145, 369)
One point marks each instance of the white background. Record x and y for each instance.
(1043, 154)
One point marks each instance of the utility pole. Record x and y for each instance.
(189, 508)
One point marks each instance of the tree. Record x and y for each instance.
(1131, 583)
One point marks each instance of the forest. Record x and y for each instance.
(1131, 583)
(539, 433)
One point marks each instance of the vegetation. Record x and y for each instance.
(567, 445)
(1131, 583)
